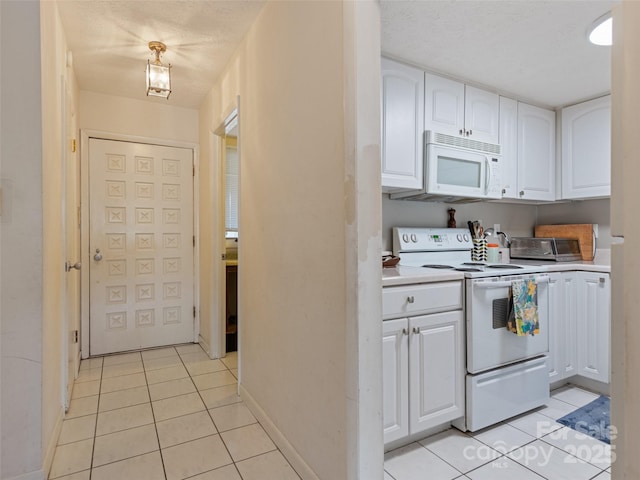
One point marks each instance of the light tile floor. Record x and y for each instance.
(532, 446)
(165, 414)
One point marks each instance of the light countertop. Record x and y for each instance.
(404, 275)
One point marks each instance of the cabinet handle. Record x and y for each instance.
(411, 299)
(469, 133)
(522, 193)
(602, 279)
(504, 191)
(405, 331)
(461, 132)
(416, 330)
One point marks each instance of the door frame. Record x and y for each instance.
(85, 136)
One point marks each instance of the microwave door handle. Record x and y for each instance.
(487, 175)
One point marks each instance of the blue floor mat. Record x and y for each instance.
(593, 419)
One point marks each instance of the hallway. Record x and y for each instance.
(169, 413)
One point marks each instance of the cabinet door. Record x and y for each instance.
(593, 328)
(481, 115)
(436, 370)
(402, 126)
(444, 105)
(586, 149)
(556, 338)
(536, 153)
(509, 145)
(569, 320)
(395, 378)
(562, 325)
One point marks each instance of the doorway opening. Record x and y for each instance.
(229, 155)
(139, 229)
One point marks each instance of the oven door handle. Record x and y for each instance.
(489, 285)
(507, 283)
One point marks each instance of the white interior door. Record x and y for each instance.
(141, 246)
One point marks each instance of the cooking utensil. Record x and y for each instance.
(471, 229)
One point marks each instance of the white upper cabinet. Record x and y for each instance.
(402, 115)
(527, 141)
(509, 146)
(536, 153)
(481, 114)
(586, 149)
(459, 110)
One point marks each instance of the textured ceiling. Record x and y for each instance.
(109, 42)
(534, 50)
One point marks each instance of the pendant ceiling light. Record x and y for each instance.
(158, 75)
(601, 31)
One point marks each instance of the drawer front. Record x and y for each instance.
(424, 298)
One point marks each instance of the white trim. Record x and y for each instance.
(204, 343)
(218, 275)
(35, 475)
(297, 462)
(51, 448)
(85, 135)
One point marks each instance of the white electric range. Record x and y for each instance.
(506, 374)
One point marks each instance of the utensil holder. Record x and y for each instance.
(479, 251)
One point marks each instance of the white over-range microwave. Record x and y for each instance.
(458, 169)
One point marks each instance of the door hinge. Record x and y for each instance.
(73, 146)
(75, 336)
(194, 312)
(194, 240)
(193, 170)
(224, 256)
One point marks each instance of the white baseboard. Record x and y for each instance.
(203, 343)
(297, 462)
(51, 448)
(36, 475)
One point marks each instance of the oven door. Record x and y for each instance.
(489, 343)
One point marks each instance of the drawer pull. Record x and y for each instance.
(410, 299)
(416, 330)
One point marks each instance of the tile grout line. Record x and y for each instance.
(95, 430)
(209, 413)
(153, 415)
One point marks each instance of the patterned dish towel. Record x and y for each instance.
(524, 318)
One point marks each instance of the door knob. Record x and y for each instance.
(98, 256)
(68, 266)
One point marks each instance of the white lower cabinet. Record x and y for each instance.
(594, 325)
(562, 325)
(579, 325)
(395, 379)
(436, 370)
(423, 373)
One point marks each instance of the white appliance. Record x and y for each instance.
(458, 170)
(506, 374)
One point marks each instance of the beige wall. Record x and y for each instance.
(305, 186)
(21, 240)
(127, 116)
(54, 67)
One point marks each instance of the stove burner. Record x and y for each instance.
(438, 266)
(468, 269)
(504, 265)
(474, 263)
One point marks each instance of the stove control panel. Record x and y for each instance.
(430, 239)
